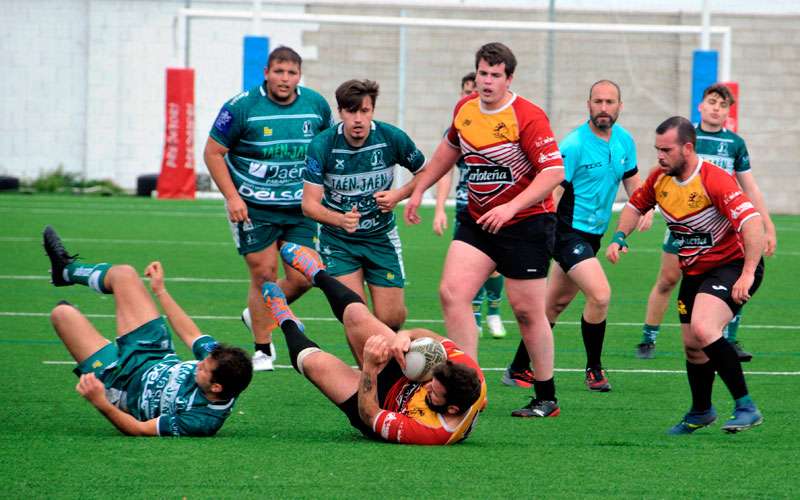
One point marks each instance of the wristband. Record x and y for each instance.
(619, 239)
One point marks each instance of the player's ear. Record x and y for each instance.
(216, 388)
(453, 410)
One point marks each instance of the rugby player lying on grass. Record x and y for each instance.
(139, 384)
(378, 399)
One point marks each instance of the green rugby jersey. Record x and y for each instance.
(724, 149)
(351, 176)
(267, 143)
(167, 390)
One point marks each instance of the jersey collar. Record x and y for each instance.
(498, 110)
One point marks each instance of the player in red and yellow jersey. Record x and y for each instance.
(721, 238)
(513, 166)
(378, 399)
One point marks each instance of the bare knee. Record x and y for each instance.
(667, 281)
(703, 334)
(62, 313)
(600, 299)
(394, 318)
(694, 354)
(263, 272)
(119, 273)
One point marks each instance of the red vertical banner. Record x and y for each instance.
(732, 123)
(177, 178)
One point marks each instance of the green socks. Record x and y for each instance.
(91, 275)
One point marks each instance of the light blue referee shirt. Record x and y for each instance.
(593, 170)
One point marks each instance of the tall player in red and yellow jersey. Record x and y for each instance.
(720, 238)
(514, 164)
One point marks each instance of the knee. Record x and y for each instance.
(394, 318)
(447, 295)
(61, 313)
(667, 281)
(694, 354)
(263, 273)
(558, 306)
(702, 334)
(600, 299)
(122, 272)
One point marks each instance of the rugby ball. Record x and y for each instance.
(423, 354)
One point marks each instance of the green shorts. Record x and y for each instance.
(266, 226)
(379, 255)
(670, 245)
(119, 366)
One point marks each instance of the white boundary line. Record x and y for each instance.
(564, 370)
(418, 321)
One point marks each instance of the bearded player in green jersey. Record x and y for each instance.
(728, 151)
(256, 154)
(348, 179)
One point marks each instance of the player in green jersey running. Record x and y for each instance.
(139, 384)
(348, 179)
(256, 154)
(728, 151)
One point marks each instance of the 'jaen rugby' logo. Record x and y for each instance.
(486, 177)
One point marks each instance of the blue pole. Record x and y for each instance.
(256, 49)
(704, 73)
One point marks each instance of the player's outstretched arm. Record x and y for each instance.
(631, 184)
(183, 325)
(442, 191)
(376, 355)
(628, 220)
(95, 392)
(440, 163)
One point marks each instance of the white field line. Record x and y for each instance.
(566, 370)
(415, 321)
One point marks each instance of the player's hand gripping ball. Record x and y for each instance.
(423, 354)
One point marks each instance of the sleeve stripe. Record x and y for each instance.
(741, 223)
(629, 204)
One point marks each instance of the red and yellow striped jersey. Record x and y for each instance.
(503, 151)
(406, 418)
(704, 213)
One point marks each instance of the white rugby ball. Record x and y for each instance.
(423, 354)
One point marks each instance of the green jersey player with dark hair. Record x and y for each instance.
(138, 383)
(348, 189)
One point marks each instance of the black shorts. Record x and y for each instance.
(717, 282)
(573, 247)
(520, 251)
(390, 374)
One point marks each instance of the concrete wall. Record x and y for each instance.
(83, 84)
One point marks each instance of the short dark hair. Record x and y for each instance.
(234, 370)
(686, 132)
(598, 82)
(461, 383)
(351, 94)
(469, 77)
(284, 54)
(495, 53)
(721, 90)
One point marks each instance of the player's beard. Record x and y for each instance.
(602, 126)
(437, 408)
(676, 169)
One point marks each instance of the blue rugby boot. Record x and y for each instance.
(693, 421)
(744, 417)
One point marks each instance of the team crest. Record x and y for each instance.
(501, 130)
(307, 129)
(486, 177)
(267, 131)
(377, 158)
(97, 364)
(681, 307)
(722, 149)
